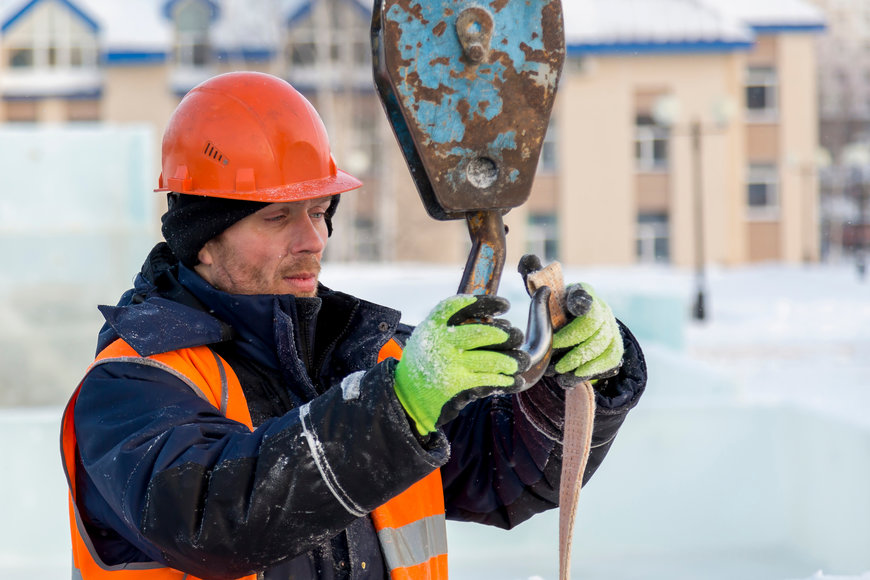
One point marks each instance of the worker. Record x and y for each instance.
(242, 420)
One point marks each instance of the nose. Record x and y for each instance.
(308, 235)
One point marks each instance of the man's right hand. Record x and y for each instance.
(459, 353)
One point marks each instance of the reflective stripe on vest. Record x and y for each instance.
(415, 545)
(411, 527)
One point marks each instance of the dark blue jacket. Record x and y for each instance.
(164, 477)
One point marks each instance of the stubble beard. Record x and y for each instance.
(238, 276)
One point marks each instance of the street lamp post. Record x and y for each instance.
(861, 246)
(666, 112)
(856, 157)
(699, 311)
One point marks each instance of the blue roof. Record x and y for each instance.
(681, 26)
(638, 48)
(300, 9)
(135, 57)
(788, 28)
(11, 20)
(774, 16)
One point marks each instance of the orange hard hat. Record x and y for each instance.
(249, 136)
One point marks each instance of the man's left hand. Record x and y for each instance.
(591, 341)
(589, 346)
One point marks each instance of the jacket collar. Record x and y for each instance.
(255, 319)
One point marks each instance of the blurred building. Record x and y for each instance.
(844, 73)
(844, 127)
(699, 131)
(684, 130)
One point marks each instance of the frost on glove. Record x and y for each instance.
(589, 346)
(591, 341)
(459, 353)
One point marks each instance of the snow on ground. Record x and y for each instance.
(776, 381)
(792, 335)
(746, 459)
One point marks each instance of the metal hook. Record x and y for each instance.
(539, 336)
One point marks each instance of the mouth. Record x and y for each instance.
(299, 277)
(301, 282)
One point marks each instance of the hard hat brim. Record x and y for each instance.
(341, 182)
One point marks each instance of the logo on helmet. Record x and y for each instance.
(213, 152)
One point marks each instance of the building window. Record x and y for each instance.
(22, 111)
(192, 23)
(362, 53)
(329, 46)
(650, 145)
(20, 58)
(761, 94)
(302, 53)
(83, 110)
(542, 236)
(653, 238)
(77, 57)
(762, 191)
(365, 239)
(549, 161)
(364, 147)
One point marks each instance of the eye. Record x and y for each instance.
(317, 213)
(276, 216)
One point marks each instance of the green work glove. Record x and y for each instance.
(459, 353)
(590, 345)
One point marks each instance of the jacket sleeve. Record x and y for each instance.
(198, 492)
(506, 452)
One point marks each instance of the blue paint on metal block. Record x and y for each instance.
(441, 97)
(506, 140)
(462, 76)
(484, 269)
(494, 150)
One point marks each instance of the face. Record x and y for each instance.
(276, 250)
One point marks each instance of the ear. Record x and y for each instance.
(205, 267)
(205, 255)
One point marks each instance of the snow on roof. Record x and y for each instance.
(638, 25)
(8, 8)
(141, 26)
(782, 14)
(240, 28)
(131, 25)
(599, 23)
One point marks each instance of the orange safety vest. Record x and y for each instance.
(411, 527)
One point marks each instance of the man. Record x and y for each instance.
(242, 420)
